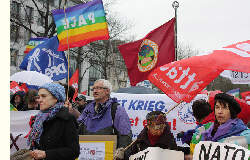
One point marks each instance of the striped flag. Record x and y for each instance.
(84, 23)
(234, 92)
(33, 42)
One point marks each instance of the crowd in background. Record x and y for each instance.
(221, 117)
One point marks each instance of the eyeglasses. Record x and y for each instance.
(98, 88)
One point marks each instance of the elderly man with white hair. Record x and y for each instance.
(104, 116)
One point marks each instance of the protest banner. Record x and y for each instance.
(205, 150)
(137, 107)
(97, 147)
(19, 128)
(157, 153)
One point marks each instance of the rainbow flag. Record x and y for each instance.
(234, 92)
(33, 42)
(84, 23)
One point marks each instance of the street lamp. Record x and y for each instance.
(175, 5)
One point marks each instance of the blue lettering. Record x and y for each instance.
(140, 104)
(161, 106)
(123, 102)
(132, 105)
(151, 106)
(145, 105)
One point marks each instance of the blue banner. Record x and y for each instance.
(45, 59)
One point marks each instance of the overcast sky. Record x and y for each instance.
(203, 24)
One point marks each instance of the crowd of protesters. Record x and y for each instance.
(55, 129)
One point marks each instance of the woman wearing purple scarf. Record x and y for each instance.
(54, 133)
(227, 125)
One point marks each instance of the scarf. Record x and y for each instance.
(41, 117)
(153, 138)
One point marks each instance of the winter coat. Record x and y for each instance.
(166, 141)
(196, 138)
(60, 138)
(101, 123)
(225, 133)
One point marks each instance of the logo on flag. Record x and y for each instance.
(47, 60)
(148, 55)
(154, 50)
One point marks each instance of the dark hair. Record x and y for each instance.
(71, 91)
(30, 96)
(233, 105)
(201, 109)
(153, 113)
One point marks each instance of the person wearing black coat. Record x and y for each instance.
(54, 134)
(156, 134)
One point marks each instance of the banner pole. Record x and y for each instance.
(165, 114)
(67, 94)
(173, 107)
(175, 5)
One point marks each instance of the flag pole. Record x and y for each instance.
(165, 115)
(67, 94)
(175, 5)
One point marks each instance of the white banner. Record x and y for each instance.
(157, 153)
(19, 128)
(237, 77)
(138, 105)
(205, 150)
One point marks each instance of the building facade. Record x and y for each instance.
(27, 16)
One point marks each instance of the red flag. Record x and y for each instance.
(183, 80)
(24, 87)
(84, 92)
(14, 87)
(246, 96)
(155, 49)
(74, 82)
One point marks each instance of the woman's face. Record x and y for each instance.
(46, 99)
(222, 112)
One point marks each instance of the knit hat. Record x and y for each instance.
(80, 97)
(56, 90)
(234, 106)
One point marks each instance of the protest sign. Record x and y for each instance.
(157, 153)
(205, 150)
(97, 147)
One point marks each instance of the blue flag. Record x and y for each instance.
(45, 59)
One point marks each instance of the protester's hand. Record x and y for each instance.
(69, 106)
(188, 157)
(119, 154)
(38, 154)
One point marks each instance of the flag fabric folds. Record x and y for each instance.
(84, 23)
(155, 49)
(74, 82)
(47, 60)
(183, 80)
(246, 96)
(33, 42)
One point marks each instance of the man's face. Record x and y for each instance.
(100, 92)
